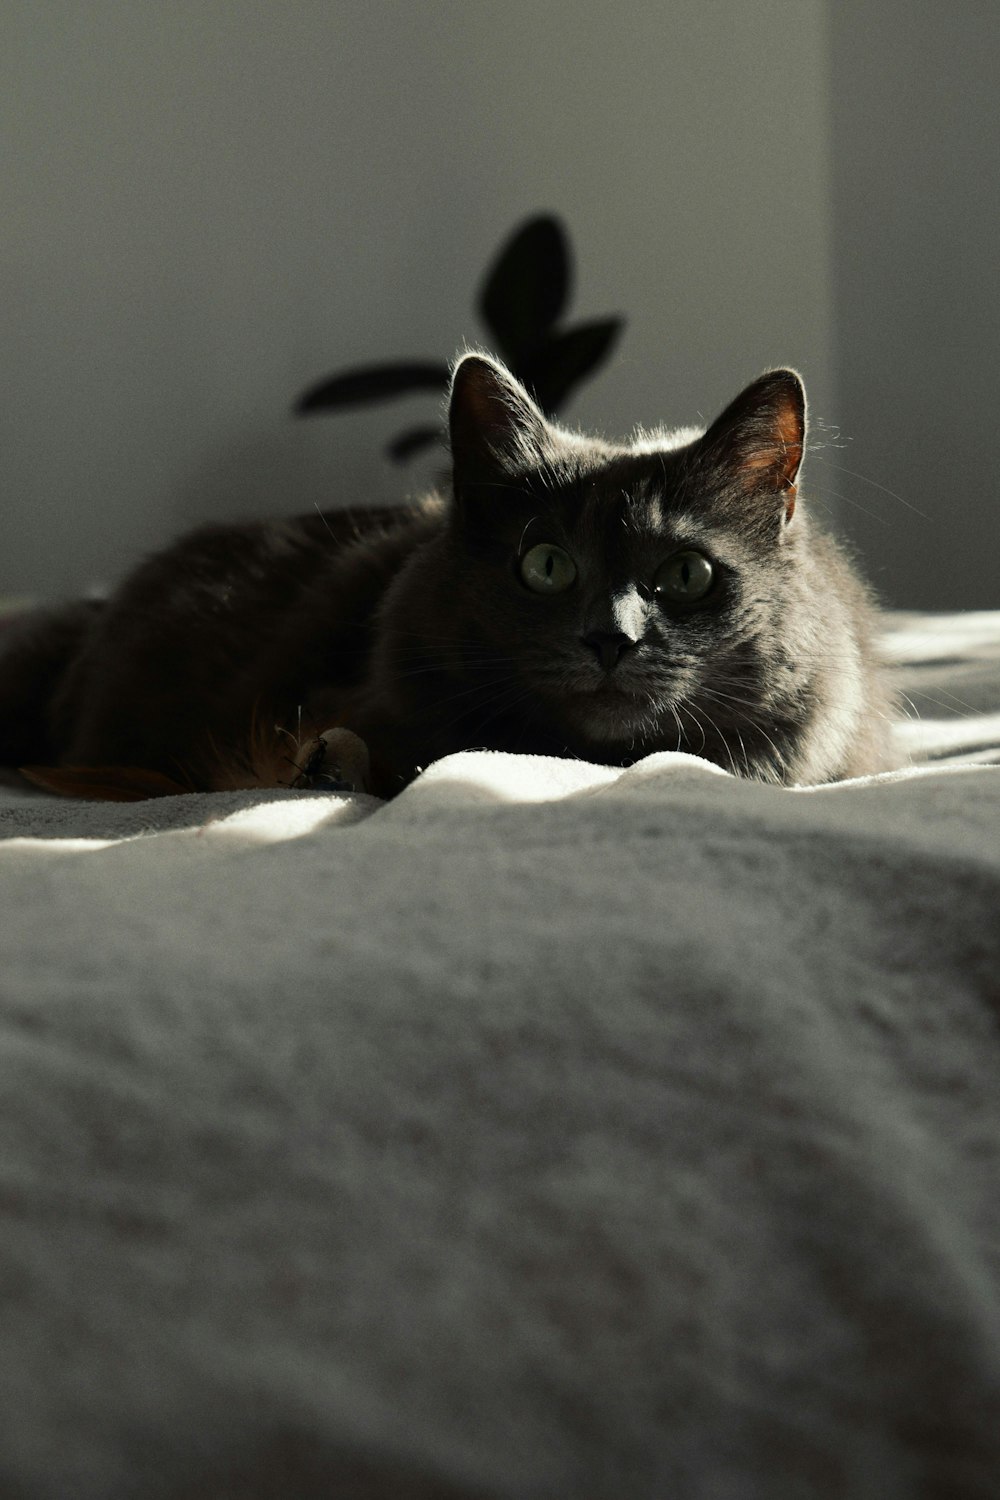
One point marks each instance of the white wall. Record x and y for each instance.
(209, 203)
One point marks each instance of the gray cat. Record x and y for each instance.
(573, 597)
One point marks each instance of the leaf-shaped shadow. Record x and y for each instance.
(406, 444)
(527, 288)
(373, 383)
(567, 358)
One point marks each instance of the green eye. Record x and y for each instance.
(547, 569)
(684, 578)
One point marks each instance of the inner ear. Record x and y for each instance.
(760, 438)
(493, 421)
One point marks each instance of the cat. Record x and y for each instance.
(571, 597)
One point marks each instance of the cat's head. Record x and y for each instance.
(621, 583)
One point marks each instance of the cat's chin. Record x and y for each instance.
(606, 713)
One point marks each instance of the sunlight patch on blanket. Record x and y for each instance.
(277, 822)
(57, 846)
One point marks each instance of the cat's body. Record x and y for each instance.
(574, 597)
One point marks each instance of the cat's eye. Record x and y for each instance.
(684, 578)
(547, 569)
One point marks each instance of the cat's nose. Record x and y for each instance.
(609, 646)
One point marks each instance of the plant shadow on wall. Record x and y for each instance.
(523, 296)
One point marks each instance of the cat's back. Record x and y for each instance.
(247, 567)
(227, 616)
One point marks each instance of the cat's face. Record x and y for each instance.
(622, 593)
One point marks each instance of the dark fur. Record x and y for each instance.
(413, 627)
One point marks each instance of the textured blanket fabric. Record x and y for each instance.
(551, 1131)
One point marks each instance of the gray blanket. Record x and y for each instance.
(549, 1131)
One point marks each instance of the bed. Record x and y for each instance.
(551, 1130)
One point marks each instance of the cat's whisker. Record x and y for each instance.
(527, 527)
(729, 748)
(702, 749)
(687, 708)
(779, 759)
(483, 695)
(506, 705)
(907, 701)
(940, 702)
(441, 668)
(725, 698)
(333, 534)
(816, 490)
(743, 752)
(505, 698)
(442, 643)
(866, 479)
(515, 489)
(753, 723)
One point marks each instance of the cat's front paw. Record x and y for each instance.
(335, 761)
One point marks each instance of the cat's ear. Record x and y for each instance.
(759, 440)
(495, 426)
